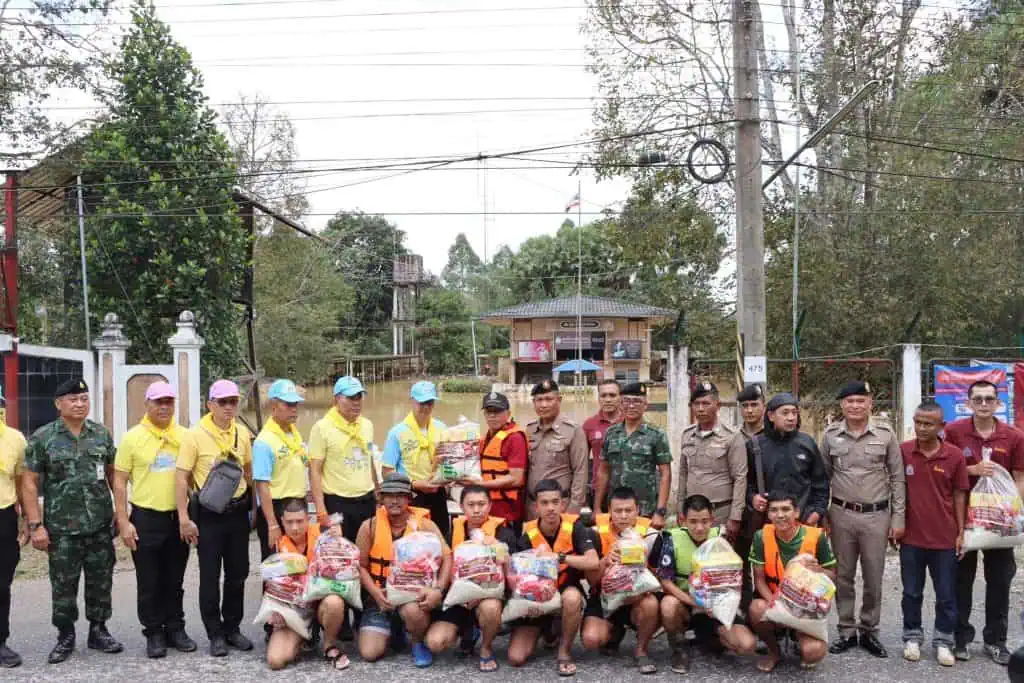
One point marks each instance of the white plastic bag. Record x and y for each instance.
(284, 578)
(298, 619)
(533, 578)
(478, 573)
(416, 563)
(334, 570)
(458, 453)
(631, 577)
(716, 582)
(995, 518)
(804, 599)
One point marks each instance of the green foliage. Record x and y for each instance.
(163, 233)
(443, 332)
(463, 265)
(465, 385)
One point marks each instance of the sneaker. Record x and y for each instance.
(961, 653)
(911, 651)
(944, 655)
(422, 656)
(999, 654)
(9, 659)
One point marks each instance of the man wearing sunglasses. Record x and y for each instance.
(225, 534)
(986, 442)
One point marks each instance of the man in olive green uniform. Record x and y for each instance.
(74, 457)
(751, 403)
(558, 449)
(868, 508)
(713, 461)
(636, 455)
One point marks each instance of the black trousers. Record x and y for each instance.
(262, 530)
(1000, 568)
(354, 511)
(160, 561)
(223, 544)
(10, 553)
(437, 503)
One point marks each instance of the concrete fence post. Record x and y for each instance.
(185, 345)
(678, 410)
(910, 388)
(111, 347)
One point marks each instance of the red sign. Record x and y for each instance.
(1018, 394)
(535, 351)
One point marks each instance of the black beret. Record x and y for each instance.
(496, 401)
(783, 399)
(702, 389)
(75, 385)
(854, 388)
(634, 389)
(752, 392)
(545, 387)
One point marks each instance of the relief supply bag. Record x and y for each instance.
(533, 578)
(995, 518)
(625, 581)
(334, 570)
(716, 581)
(416, 563)
(284, 588)
(458, 453)
(804, 599)
(478, 572)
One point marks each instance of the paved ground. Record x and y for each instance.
(33, 637)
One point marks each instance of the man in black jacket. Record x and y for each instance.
(789, 460)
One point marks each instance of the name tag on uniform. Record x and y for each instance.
(99, 473)
(163, 462)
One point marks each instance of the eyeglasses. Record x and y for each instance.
(227, 402)
(984, 400)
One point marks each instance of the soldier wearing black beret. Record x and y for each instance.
(751, 402)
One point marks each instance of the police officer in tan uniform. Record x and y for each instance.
(868, 508)
(558, 449)
(713, 461)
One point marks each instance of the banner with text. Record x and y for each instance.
(952, 382)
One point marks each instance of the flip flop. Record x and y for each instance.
(763, 668)
(566, 668)
(488, 660)
(337, 658)
(645, 665)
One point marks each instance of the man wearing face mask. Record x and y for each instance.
(789, 460)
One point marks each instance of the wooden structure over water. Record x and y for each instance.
(380, 367)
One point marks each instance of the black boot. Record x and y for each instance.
(100, 639)
(64, 647)
(9, 659)
(180, 641)
(156, 645)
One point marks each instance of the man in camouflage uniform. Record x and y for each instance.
(74, 458)
(636, 455)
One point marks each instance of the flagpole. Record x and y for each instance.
(579, 279)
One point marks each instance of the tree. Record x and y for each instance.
(443, 331)
(163, 234)
(463, 265)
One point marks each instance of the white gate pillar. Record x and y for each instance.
(111, 346)
(678, 410)
(910, 394)
(185, 345)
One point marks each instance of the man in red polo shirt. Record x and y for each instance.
(985, 440)
(609, 397)
(936, 480)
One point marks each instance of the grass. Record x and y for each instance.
(35, 565)
(465, 385)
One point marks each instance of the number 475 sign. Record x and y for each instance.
(755, 369)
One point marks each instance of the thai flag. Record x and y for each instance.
(574, 203)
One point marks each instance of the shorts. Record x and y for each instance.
(705, 628)
(461, 616)
(621, 617)
(378, 621)
(544, 623)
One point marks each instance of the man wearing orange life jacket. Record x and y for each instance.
(380, 621)
(773, 547)
(485, 615)
(606, 631)
(300, 537)
(503, 456)
(576, 546)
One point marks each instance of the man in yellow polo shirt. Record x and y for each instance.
(278, 463)
(12, 465)
(223, 537)
(409, 450)
(343, 470)
(147, 458)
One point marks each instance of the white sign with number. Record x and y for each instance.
(755, 369)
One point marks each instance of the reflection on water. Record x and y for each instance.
(387, 403)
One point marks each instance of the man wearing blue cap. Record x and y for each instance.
(279, 460)
(343, 474)
(410, 450)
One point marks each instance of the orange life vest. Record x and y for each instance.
(608, 535)
(773, 569)
(489, 527)
(563, 542)
(287, 545)
(382, 552)
(492, 465)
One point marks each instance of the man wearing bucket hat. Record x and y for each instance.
(278, 462)
(410, 449)
(12, 466)
(342, 467)
(147, 458)
(216, 444)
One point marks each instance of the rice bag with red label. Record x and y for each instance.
(416, 563)
(334, 570)
(995, 518)
(533, 579)
(803, 600)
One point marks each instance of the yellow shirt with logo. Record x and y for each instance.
(200, 450)
(12, 464)
(346, 466)
(289, 477)
(150, 462)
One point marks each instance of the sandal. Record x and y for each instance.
(337, 659)
(645, 665)
(566, 668)
(485, 663)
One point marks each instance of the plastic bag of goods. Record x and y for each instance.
(334, 570)
(284, 590)
(803, 600)
(533, 578)
(458, 453)
(716, 581)
(630, 577)
(995, 513)
(280, 565)
(478, 572)
(417, 560)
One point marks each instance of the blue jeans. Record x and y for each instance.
(941, 564)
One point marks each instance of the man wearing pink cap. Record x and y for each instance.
(225, 533)
(147, 458)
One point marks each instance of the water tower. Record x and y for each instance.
(405, 288)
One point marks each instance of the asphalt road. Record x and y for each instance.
(33, 636)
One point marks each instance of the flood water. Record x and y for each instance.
(387, 403)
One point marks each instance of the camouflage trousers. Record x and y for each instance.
(69, 556)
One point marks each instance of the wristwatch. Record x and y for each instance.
(561, 558)
(661, 512)
(32, 526)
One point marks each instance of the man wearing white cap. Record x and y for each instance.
(342, 471)
(12, 465)
(410, 450)
(279, 460)
(147, 458)
(217, 443)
